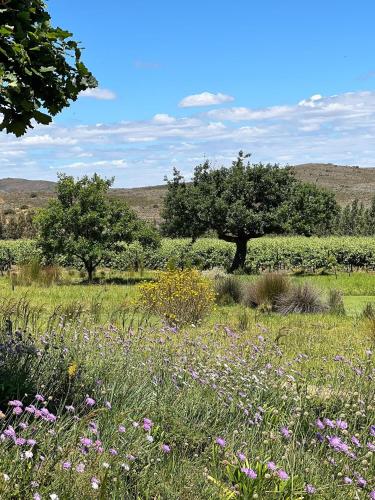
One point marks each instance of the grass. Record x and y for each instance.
(171, 411)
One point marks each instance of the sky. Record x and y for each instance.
(181, 82)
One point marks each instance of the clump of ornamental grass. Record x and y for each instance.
(266, 290)
(228, 290)
(336, 302)
(178, 296)
(301, 298)
(33, 272)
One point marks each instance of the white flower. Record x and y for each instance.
(149, 438)
(125, 466)
(6, 477)
(53, 496)
(105, 465)
(29, 454)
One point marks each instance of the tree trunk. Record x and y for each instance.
(90, 270)
(240, 255)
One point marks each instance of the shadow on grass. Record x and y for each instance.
(114, 281)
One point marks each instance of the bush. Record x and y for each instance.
(33, 272)
(228, 290)
(179, 297)
(302, 298)
(266, 290)
(368, 311)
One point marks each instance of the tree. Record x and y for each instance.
(40, 66)
(310, 210)
(84, 223)
(241, 202)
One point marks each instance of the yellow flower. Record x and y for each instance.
(72, 369)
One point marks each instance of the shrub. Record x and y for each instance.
(335, 302)
(34, 272)
(368, 311)
(179, 297)
(302, 298)
(228, 290)
(266, 290)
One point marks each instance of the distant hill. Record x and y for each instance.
(346, 182)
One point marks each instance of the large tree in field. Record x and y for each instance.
(40, 66)
(84, 223)
(242, 202)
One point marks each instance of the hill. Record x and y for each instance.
(348, 183)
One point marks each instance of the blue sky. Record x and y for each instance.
(289, 81)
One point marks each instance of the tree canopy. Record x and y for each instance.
(244, 201)
(84, 223)
(41, 69)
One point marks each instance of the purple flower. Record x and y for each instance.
(361, 482)
(355, 441)
(285, 432)
(329, 423)
(371, 446)
(341, 424)
(147, 424)
(113, 452)
(310, 489)
(347, 480)
(271, 466)
(282, 474)
(90, 401)
(108, 405)
(86, 441)
(66, 465)
(20, 441)
(95, 483)
(10, 432)
(372, 495)
(121, 428)
(220, 441)
(16, 403)
(69, 408)
(31, 442)
(165, 448)
(80, 467)
(249, 472)
(17, 410)
(241, 456)
(319, 424)
(39, 397)
(372, 430)
(338, 445)
(93, 427)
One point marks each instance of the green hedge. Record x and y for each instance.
(297, 252)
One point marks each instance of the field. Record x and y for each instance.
(247, 404)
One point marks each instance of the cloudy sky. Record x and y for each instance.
(290, 82)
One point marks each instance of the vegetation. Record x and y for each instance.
(84, 224)
(40, 66)
(244, 202)
(179, 297)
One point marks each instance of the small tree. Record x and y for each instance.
(241, 202)
(83, 223)
(40, 66)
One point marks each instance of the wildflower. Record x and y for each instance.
(310, 489)
(23, 425)
(319, 424)
(241, 456)
(108, 405)
(282, 474)
(249, 472)
(126, 467)
(113, 452)
(10, 432)
(329, 423)
(372, 430)
(371, 446)
(338, 445)
(147, 424)
(121, 428)
(372, 495)
(20, 441)
(39, 397)
(93, 427)
(165, 448)
(15, 403)
(347, 480)
(66, 465)
(86, 442)
(220, 441)
(6, 477)
(271, 466)
(29, 454)
(149, 438)
(34, 484)
(53, 496)
(17, 410)
(285, 432)
(95, 483)
(90, 401)
(356, 442)
(361, 482)
(80, 467)
(69, 408)
(37, 496)
(341, 424)
(105, 465)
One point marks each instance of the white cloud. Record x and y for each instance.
(204, 99)
(99, 93)
(338, 129)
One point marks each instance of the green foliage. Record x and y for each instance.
(84, 224)
(243, 202)
(336, 302)
(228, 290)
(41, 69)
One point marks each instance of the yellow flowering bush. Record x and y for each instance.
(180, 297)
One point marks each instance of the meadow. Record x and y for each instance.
(105, 400)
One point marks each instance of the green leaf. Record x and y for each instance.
(42, 118)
